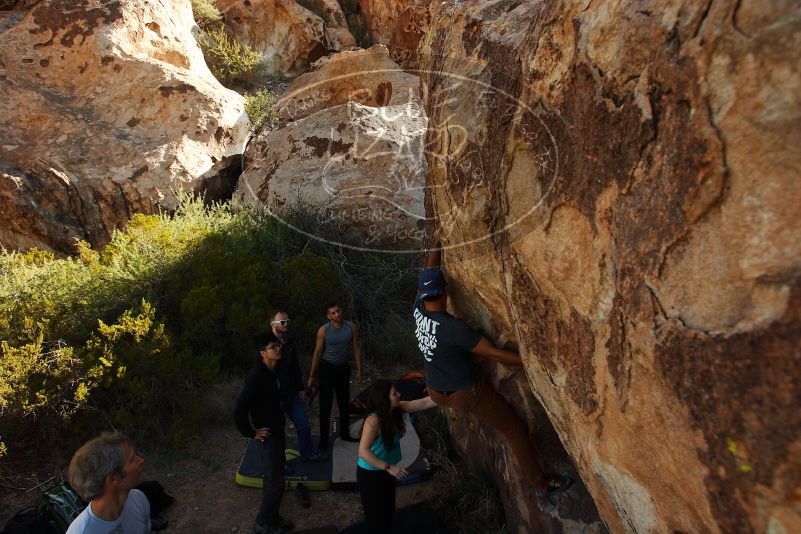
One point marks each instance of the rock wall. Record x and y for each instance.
(352, 145)
(398, 25)
(288, 35)
(108, 107)
(367, 77)
(625, 206)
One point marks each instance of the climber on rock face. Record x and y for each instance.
(447, 345)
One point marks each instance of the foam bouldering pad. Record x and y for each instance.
(313, 475)
(345, 455)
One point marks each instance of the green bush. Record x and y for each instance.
(260, 107)
(80, 341)
(231, 62)
(109, 338)
(205, 13)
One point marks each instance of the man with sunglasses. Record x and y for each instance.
(258, 416)
(290, 378)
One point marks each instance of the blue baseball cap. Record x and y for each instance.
(431, 283)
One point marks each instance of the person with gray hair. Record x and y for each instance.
(104, 472)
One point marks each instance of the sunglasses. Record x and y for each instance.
(282, 322)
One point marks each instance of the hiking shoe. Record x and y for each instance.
(283, 524)
(303, 496)
(267, 529)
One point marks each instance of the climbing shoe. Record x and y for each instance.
(557, 484)
(554, 485)
(303, 496)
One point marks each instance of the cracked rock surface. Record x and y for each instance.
(108, 110)
(625, 206)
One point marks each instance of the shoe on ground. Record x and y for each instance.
(303, 496)
(267, 529)
(283, 524)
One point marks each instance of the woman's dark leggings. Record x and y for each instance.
(377, 489)
(333, 378)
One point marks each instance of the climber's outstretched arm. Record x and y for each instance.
(435, 254)
(486, 349)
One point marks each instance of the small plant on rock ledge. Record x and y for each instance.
(231, 62)
(260, 107)
(205, 13)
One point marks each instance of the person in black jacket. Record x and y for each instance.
(258, 415)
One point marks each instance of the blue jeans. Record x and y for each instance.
(295, 409)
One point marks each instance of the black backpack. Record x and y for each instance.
(59, 506)
(27, 521)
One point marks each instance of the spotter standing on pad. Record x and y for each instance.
(291, 390)
(331, 354)
(380, 452)
(258, 416)
(447, 345)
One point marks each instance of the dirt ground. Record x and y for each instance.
(201, 478)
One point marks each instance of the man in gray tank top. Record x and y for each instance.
(330, 369)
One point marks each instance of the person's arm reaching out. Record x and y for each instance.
(357, 352)
(435, 255)
(318, 352)
(417, 405)
(486, 349)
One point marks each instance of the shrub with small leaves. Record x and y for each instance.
(205, 13)
(230, 61)
(260, 107)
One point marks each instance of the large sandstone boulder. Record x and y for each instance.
(108, 109)
(336, 25)
(368, 77)
(361, 166)
(286, 34)
(625, 206)
(399, 25)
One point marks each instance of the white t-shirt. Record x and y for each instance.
(134, 519)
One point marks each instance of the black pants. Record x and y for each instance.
(377, 489)
(333, 378)
(273, 458)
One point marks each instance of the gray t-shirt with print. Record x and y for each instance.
(445, 343)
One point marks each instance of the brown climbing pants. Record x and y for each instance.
(491, 409)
